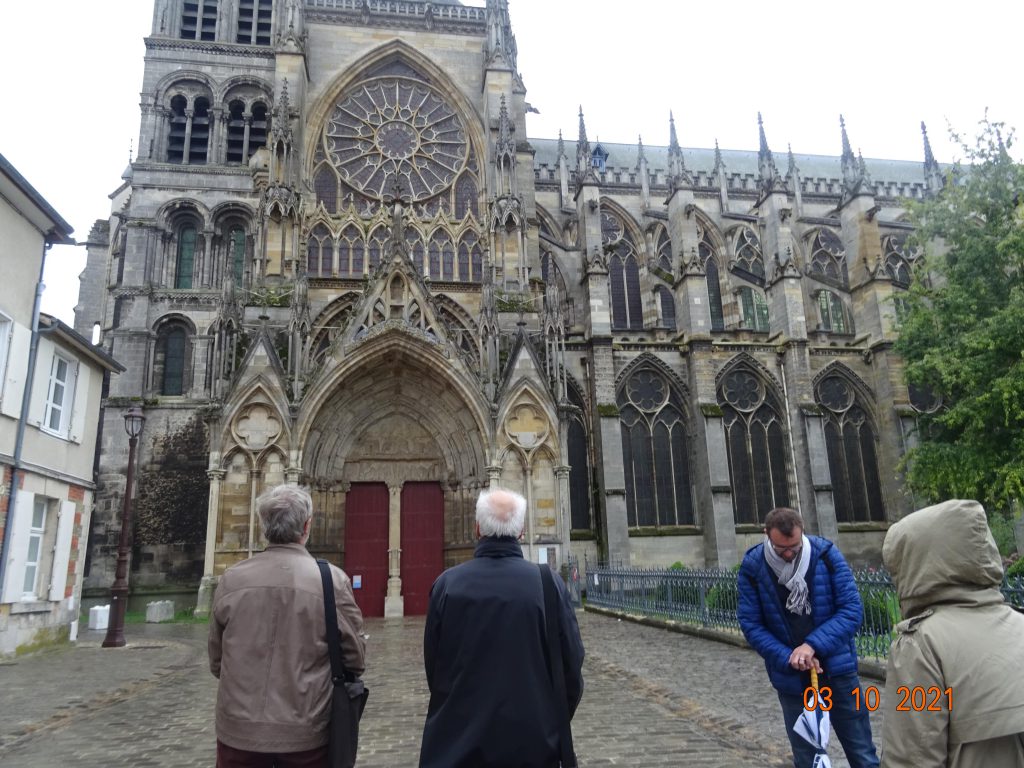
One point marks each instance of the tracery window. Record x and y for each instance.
(756, 445)
(199, 20)
(709, 259)
(254, 18)
(184, 263)
(579, 467)
(664, 250)
(667, 304)
(624, 274)
(898, 259)
(749, 258)
(828, 257)
(753, 309)
(655, 452)
(320, 252)
(375, 247)
(852, 459)
(833, 313)
(350, 252)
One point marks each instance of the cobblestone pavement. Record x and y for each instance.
(653, 698)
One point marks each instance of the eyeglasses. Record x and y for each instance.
(783, 550)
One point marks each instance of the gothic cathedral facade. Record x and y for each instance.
(338, 260)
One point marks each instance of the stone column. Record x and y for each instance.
(204, 601)
(564, 513)
(394, 603)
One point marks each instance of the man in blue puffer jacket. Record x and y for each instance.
(799, 608)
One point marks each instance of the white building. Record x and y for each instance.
(51, 381)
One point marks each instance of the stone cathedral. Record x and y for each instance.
(338, 260)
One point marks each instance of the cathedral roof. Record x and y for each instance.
(737, 161)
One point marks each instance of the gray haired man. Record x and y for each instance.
(268, 644)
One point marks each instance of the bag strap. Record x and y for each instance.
(557, 666)
(331, 620)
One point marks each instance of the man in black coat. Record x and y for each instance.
(492, 702)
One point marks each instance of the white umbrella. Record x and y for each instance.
(813, 726)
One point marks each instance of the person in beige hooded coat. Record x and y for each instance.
(958, 638)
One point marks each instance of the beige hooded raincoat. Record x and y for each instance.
(959, 653)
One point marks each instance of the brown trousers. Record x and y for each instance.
(229, 757)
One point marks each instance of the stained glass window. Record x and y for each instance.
(828, 257)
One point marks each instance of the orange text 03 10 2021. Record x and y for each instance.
(911, 699)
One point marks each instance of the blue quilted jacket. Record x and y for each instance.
(835, 608)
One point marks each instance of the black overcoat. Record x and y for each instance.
(484, 650)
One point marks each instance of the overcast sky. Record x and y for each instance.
(73, 71)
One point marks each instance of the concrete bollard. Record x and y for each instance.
(159, 611)
(99, 616)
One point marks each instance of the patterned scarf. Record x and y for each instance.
(792, 575)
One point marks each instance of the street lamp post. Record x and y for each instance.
(133, 421)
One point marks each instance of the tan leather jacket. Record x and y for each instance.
(268, 646)
(955, 684)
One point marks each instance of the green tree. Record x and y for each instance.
(962, 328)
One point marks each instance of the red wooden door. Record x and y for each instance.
(422, 543)
(366, 545)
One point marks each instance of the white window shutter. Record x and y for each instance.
(78, 401)
(16, 373)
(14, 578)
(62, 550)
(45, 361)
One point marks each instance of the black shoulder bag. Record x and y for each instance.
(557, 667)
(349, 694)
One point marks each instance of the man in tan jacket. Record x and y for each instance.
(955, 684)
(268, 644)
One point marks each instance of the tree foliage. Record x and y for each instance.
(962, 328)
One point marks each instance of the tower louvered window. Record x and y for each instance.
(655, 452)
(254, 20)
(756, 446)
(852, 457)
(199, 20)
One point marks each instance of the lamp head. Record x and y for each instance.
(134, 418)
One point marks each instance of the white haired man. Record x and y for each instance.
(492, 702)
(268, 644)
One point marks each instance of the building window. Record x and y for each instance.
(236, 254)
(579, 467)
(33, 559)
(170, 365)
(247, 130)
(188, 134)
(177, 130)
(709, 259)
(833, 313)
(756, 446)
(185, 262)
(828, 257)
(199, 20)
(624, 272)
(667, 305)
(320, 251)
(655, 452)
(852, 459)
(898, 259)
(753, 309)
(60, 396)
(254, 18)
(749, 259)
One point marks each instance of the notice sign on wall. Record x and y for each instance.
(357, 581)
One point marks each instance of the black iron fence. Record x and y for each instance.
(708, 597)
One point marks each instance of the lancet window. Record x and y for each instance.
(756, 445)
(898, 259)
(667, 307)
(753, 309)
(171, 358)
(655, 451)
(708, 255)
(320, 252)
(579, 466)
(184, 263)
(664, 250)
(852, 456)
(749, 259)
(623, 274)
(833, 313)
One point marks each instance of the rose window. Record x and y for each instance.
(743, 391)
(392, 133)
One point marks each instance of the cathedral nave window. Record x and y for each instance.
(708, 256)
(756, 446)
(655, 452)
(254, 18)
(199, 20)
(579, 467)
(852, 460)
(828, 257)
(833, 313)
(749, 258)
(753, 309)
